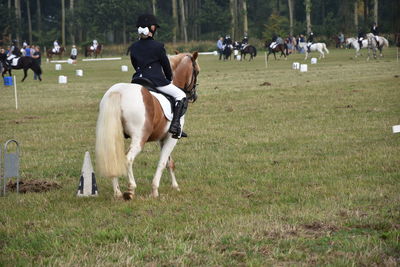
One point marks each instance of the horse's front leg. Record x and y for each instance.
(171, 169)
(166, 149)
(25, 74)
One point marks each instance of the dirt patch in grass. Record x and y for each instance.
(25, 119)
(36, 186)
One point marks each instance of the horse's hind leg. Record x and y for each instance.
(171, 169)
(166, 148)
(25, 74)
(134, 150)
(117, 190)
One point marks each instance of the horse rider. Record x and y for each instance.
(310, 41)
(245, 41)
(361, 37)
(375, 32)
(274, 42)
(150, 61)
(13, 53)
(220, 46)
(24, 44)
(227, 40)
(56, 48)
(94, 45)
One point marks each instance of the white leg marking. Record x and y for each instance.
(166, 150)
(134, 150)
(117, 191)
(170, 166)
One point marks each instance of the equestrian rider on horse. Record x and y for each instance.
(94, 45)
(273, 41)
(150, 61)
(310, 41)
(56, 46)
(13, 53)
(375, 32)
(361, 37)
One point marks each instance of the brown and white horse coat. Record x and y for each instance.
(132, 110)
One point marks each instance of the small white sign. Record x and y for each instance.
(58, 66)
(303, 68)
(396, 129)
(296, 65)
(314, 60)
(62, 79)
(70, 61)
(79, 73)
(124, 68)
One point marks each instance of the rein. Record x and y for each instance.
(191, 87)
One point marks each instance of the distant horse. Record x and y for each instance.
(131, 110)
(50, 52)
(248, 49)
(227, 52)
(354, 43)
(90, 51)
(316, 47)
(24, 63)
(372, 45)
(278, 48)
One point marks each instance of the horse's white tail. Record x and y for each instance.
(385, 42)
(326, 49)
(110, 156)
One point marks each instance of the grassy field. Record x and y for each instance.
(281, 168)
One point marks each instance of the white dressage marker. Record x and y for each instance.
(59, 61)
(100, 59)
(79, 73)
(303, 68)
(124, 68)
(62, 79)
(296, 65)
(58, 67)
(87, 183)
(396, 129)
(314, 60)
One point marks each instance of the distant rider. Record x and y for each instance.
(310, 41)
(375, 32)
(94, 45)
(13, 53)
(56, 48)
(273, 42)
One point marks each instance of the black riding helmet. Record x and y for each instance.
(147, 20)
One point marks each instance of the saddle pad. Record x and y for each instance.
(165, 105)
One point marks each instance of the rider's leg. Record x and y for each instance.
(179, 109)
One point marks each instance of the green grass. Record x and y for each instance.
(304, 171)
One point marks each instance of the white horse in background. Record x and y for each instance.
(319, 47)
(354, 42)
(372, 45)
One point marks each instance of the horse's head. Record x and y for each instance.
(186, 69)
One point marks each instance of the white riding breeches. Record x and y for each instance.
(173, 91)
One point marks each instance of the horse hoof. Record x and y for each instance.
(127, 196)
(176, 188)
(154, 194)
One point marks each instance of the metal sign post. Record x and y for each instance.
(10, 164)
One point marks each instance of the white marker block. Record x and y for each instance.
(79, 73)
(296, 65)
(238, 57)
(124, 68)
(396, 129)
(58, 67)
(70, 61)
(303, 68)
(314, 60)
(62, 79)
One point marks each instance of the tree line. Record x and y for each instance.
(113, 21)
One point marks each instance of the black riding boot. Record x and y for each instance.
(179, 110)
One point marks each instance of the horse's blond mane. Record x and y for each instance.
(176, 59)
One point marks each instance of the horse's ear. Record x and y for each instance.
(195, 55)
(176, 52)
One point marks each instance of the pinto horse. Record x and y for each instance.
(89, 52)
(278, 48)
(50, 53)
(24, 63)
(131, 110)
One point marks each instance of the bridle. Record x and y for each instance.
(190, 89)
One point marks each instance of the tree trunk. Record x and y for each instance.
(154, 4)
(233, 8)
(366, 12)
(376, 11)
(124, 32)
(18, 17)
(71, 21)
(39, 19)
(356, 15)
(63, 22)
(308, 15)
(28, 11)
(290, 6)
(175, 19)
(183, 21)
(245, 22)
